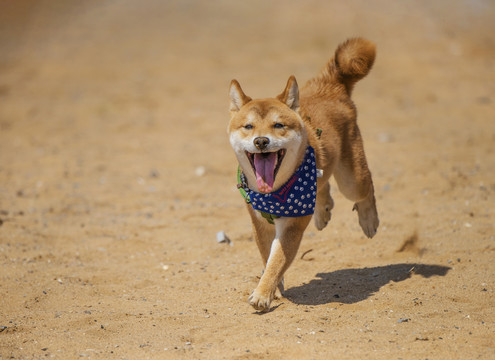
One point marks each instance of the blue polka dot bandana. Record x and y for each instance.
(297, 197)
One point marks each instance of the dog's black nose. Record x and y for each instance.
(261, 142)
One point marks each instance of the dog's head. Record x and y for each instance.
(268, 136)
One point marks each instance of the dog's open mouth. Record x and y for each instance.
(266, 166)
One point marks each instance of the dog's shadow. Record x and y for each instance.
(350, 286)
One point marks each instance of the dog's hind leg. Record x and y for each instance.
(355, 183)
(323, 207)
(367, 214)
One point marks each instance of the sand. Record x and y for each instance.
(116, 174)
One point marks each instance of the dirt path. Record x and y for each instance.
(116, 174)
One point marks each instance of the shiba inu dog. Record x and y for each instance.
(288, 147)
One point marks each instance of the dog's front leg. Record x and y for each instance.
(288, 235)
(264, 233)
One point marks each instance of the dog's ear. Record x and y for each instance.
(237, 96)
(290, 96)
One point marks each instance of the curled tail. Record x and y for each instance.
(352, 61)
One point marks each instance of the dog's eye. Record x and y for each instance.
(248, 127)
(278, 126)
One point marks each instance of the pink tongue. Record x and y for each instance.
(265, 168)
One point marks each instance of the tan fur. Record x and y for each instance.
(323, 103)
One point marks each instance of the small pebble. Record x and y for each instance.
(222, 238)
(402, 320)
(385, 138)
(200, 171)
(154, 173)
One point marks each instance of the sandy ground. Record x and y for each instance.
(116, 174)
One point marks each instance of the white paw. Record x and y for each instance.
(260, 302)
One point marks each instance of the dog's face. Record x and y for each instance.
(268, 136)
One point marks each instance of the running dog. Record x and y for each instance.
(288, 147)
